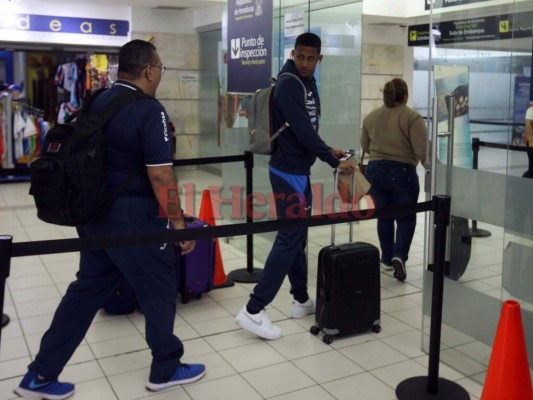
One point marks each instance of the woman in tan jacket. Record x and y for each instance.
(395, 137)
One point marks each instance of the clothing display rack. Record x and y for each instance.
(22, 130)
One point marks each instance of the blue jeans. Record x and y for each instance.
(287, 256)
(394, 184)
(151, 271)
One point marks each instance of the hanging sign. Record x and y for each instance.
(449, 3)
(496, 27)
(520, 106)
(294, 24)
(55, 24)
(249, 45)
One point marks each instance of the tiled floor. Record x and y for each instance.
(113, 360)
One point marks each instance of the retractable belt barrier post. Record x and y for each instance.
(474, 231)
(476, 144)
(433, 387)
(5, 262)
(248, 274)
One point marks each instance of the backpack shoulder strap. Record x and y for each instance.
(125, 183)
(298, 79)
(286, 124)
(117, 103)
(106, 114)
(91, 98)
(87, 103)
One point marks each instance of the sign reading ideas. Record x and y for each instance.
(249, 45)
(87, 31)
(57, 24)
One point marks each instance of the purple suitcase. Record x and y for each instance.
(196, 269)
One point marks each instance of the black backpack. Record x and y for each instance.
(68, 180)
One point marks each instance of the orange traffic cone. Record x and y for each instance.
(508, 375)
(206, 214)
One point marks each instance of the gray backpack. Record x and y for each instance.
(260, 118)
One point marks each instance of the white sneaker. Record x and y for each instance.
(300, 310)
(386, 267)
(258, 324)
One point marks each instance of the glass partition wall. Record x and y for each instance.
(479, 83)
(338, 23)
(473, 87)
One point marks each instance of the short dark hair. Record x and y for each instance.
(394, 92)
(309, 39)
(134, 56)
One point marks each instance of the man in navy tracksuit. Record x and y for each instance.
(295, 152)
(137, 136)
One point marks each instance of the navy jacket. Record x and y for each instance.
(299, 145)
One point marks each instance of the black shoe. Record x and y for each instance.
(400, 272)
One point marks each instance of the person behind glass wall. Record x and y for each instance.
(136, 136)
(529, 141)
(296, 150)
(395, 137)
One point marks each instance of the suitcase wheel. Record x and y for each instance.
(376, 328)
(314, 330)
(328, 339)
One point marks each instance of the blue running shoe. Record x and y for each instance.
(185, 373)
(33, 388)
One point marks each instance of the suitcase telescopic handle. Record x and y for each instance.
(336, 172)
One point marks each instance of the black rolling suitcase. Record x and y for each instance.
(348, 289)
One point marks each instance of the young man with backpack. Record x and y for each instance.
(295, 151)
(137, 136)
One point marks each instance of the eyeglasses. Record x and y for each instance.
(161, 67)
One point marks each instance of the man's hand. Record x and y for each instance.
(338, 153)
(187, 247)
(346, 167)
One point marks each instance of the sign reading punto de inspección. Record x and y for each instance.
(249, 45)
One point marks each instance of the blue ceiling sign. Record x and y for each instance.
(55, 24)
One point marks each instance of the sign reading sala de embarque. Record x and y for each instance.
(249, 45)
(496, 27)
(449, 3)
